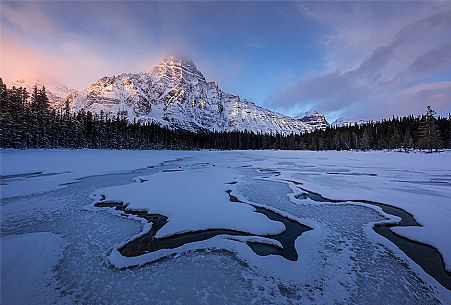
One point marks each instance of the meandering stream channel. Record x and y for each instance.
(426, 256)
(84, 275)
(149, 243)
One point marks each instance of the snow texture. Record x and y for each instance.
(33, 171)
(193, 199)
(342, 260)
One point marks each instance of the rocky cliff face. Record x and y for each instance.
(314, 119)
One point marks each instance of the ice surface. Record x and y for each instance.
(348, 252)
(32, 167)
(416, 182)
(342, 260)
(192, 199)
(85, 275)
(27, 262)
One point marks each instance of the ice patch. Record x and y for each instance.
(192, 200)
(27, 268)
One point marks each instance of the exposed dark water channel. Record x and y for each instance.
(5, 178)
(149, 243)
(426, 256)
(351, 174)
(287, 238)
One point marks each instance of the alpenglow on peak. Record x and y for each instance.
(177, 67)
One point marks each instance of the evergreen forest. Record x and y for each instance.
(28, 121)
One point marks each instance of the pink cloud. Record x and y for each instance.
(34, 45)
(70, 63)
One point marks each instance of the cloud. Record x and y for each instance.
(27, 19)
(435, 60)
(437, 94)
(74, 43)
(78, 42)
(72, 62)
(389, 72)
(335, 57)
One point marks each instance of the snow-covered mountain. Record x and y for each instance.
(313, 118)
(174, 94)
(344, 122)
(56, 92)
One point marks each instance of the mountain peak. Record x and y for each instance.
(309, 113)
(344, 121)
(175, 67)
(314, 118)
(176, 58)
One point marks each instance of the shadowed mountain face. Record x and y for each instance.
(176, 94)
(314, 119)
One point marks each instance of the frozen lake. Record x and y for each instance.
(247, 227)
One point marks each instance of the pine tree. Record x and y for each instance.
(428, 133)
(365, 143)
(67, 108)
(395, 141)
(407, 142)
(355, 140)
(449, 132)
(6, 119)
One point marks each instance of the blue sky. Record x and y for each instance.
(362, 60)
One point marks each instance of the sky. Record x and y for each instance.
(360, 60)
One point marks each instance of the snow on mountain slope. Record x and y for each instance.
(56, 92)
(344, 122)
(313, 118)
(176, 94)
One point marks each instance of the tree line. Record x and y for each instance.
(28, 121)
